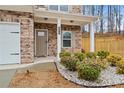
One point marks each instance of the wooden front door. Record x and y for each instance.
(41, 43)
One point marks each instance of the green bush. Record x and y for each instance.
(120, 71)
(103, 64)
(102, 54)
(91, 55)
(120, 65)
(64, 60)
(80, 56)
(65, 54)
(70, 63)
(88, 72)
(113, 59)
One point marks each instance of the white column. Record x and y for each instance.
(92, 37)
(58, 38)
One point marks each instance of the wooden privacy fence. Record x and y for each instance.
(113, 44)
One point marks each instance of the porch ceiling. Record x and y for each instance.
(54, 21)
(70, 19)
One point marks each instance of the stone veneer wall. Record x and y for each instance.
(52, 37)
(75, 9)
(27, 33)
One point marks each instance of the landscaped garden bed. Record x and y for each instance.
(92, 69)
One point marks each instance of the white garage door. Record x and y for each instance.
(9, 43)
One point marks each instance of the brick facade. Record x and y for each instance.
(75, 9)
(52, 37)
(27, 33)
(27, 37)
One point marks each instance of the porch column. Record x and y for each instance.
(92, 37)
(58, 37)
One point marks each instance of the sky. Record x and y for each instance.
(105, 16)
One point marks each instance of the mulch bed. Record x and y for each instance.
(44, 79)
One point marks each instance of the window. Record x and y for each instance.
(67, 35)
(53, 7)
(64, 8)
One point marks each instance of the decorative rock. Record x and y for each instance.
(107, 77)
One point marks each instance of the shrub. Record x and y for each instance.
(82, 50)
(80, 56)
(120, 65)
(91, 55)
(70, 63)
(103, 64)
(65, 54)
(102, 54)
(88, 72)
(120, 71)
(113, 59)
(64, 60)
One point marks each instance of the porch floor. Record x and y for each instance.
(45, 59)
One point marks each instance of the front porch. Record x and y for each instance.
(58, 23)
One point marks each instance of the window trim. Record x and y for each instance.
(66, 39)
(82, 6)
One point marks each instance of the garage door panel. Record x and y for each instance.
(9, 43)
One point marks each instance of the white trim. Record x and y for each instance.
(92, 37)
(65, 16)
(53, 21)
(20, 42)
(69, 39)
(58, 38)
(82, 10)
(20, 8)
(16, 23)
(56, 14)
(47, 40)
(58, 8)
(12, 23)
(35, 43)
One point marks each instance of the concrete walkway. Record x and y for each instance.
(8, 71)
(36, 61)
(5, 77)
